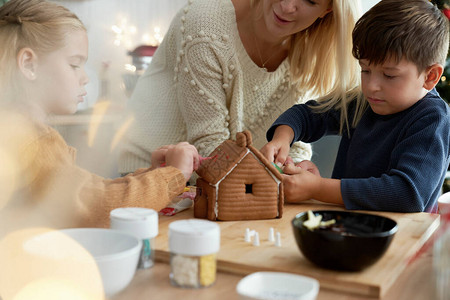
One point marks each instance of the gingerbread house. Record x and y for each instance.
(238, 183)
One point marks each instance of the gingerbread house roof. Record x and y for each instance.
(228, 154)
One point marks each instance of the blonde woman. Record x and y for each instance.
(229, 65)
(44, 50)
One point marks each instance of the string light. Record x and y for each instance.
(125, 35)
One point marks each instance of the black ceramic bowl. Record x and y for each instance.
(360, 240)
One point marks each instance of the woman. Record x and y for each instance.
(229, 65)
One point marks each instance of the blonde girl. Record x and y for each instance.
(42, 58)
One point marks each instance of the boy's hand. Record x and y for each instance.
(308, 166)
(182, 156)
(300, 183)
(277, 150)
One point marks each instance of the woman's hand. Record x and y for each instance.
(182, 156)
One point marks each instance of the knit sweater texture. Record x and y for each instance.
(202, 87)
(393, 162)
(43, 186)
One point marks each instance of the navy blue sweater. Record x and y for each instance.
(395, 162)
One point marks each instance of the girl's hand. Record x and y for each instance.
(299, 183)
(182, 156)
(159, 156)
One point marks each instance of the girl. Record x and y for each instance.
(42, 58)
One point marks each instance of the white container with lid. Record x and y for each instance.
(193, 246)
(141, 222)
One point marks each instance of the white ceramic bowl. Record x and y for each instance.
(277, 285)
(116, 254)
(444, 203)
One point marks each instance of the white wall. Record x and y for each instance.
(367, 4)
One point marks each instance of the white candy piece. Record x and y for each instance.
(278, 240)
(313, 221)
(256, 239)
(271, 235)
(247, 237)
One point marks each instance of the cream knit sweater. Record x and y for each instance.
(202, 87)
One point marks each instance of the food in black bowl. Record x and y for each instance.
(352, 242)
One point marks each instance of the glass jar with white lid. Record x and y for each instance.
(193, 246)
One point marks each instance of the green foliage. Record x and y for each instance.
(443, 87)
(441, 3)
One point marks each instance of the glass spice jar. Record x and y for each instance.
(193, 246)
(141, 222)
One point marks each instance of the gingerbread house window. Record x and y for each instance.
(249, 188)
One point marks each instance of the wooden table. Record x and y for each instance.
(413, 281)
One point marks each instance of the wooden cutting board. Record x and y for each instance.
(237, 256)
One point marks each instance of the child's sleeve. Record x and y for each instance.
(308, 125)
(417, 167)
(144, 188)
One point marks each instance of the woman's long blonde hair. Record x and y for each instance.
(37, 24)
(321, 60)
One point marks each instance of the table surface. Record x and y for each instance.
(415, 282)
(153, 283)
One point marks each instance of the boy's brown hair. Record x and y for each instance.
(415, 30)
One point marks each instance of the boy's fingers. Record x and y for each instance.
(268, 153)
(290, 169)
(280, 160)
(289, 161)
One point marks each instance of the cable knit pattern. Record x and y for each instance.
(202, 87)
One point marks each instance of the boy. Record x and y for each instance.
(394, 151)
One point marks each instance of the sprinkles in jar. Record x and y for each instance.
(193, 246)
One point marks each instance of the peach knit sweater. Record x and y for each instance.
(43, 186)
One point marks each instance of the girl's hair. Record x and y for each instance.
(37, 24)
(321, 58)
